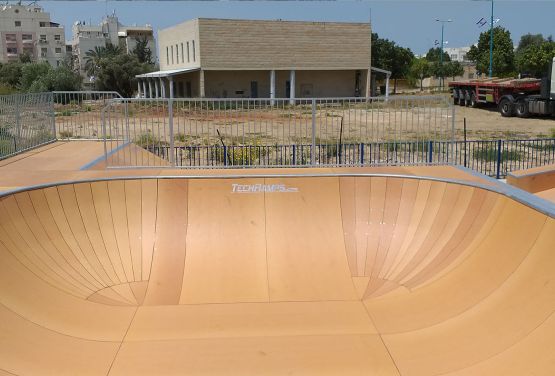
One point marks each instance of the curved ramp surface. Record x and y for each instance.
(320, 275)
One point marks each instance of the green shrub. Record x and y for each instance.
(66, 134)
(489, 154)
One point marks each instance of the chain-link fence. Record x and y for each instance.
(26, 122)
(264, 132)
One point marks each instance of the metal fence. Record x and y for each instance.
(78, 113)
(273, 132)
(493, 158)
(25, 122)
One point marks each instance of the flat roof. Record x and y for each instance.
(166, 73)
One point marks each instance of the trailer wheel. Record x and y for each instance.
(462, 96)
(506, 107)
(521, 109)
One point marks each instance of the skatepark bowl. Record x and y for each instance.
(366, 275)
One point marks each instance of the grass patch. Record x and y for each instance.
(489, 154)
(66, 134)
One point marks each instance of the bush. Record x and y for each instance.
(489, 154)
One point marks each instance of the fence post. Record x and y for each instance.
(313, 148)
(53, 115)
(361, 153)
(294, 156)
(170, 124)
(17, 119)
(430, 151)
(498, 173)
(225, 155)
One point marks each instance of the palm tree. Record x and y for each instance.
(93, 57)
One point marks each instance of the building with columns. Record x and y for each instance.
(223, 58)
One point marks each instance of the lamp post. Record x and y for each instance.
(443, 22)
(491, 43)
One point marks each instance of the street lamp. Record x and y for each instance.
(443, 22)
(491, 43)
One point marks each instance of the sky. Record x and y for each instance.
(410, 23)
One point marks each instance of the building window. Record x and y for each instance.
(167, 56)
(177, 53)
(58, 50)
(10, 38)
(182, 56)
(26, 37)
(194, 54)
(188, 55)
(12, 50)
(43, 37)
(172, 53)
(43, 52)
(57, 37)
(43, 24)
(58, 62)
(17, 23)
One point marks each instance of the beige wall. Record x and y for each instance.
(184, 33)
(249, 44)
(308, 84)
(263, 45)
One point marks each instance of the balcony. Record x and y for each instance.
(43, 41)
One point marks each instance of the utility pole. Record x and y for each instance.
(491, 43)
(441, 49)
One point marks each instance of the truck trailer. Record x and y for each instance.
(513, 97)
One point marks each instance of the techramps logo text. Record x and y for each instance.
(262, 188)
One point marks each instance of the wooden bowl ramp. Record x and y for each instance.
(337, 275)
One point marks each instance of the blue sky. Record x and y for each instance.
(410, 23)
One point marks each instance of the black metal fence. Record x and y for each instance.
(493, 158)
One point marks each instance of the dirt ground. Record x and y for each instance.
(488, 124)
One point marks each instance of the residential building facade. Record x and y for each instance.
(458, 53)
(110, 30)
(29, 30)
(224, 58)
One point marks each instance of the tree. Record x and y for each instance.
(387, 55)
(25, 58)
(10, 74)
(94, 56)
(142, 51)
(528, 40)
(59, 79)
(419, 70)
(434, 54)
(454, 69)
(534, 59)
(118, 73)
(32, 72)
(503, 53)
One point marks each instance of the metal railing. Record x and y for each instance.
(78, 113)
(273, 132)
(494, 158)
(25, 122)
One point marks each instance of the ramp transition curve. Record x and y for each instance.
(320, 275)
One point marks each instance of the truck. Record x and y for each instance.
(514, 97)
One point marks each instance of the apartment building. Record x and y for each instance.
(110, 30)
(27, 29)
(227, 58)
(457, 53)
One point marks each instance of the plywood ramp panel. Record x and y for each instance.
(34, 350)
(359, 354)
(226, 257)
(483, 271)
(24, 293)
(306, 250)
(525, 299)
(166, 276)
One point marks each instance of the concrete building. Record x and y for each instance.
(110, 30)
(457, 53)
(222, 58)
(29, 30)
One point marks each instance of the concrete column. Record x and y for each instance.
(387, 87)
(292, 90)
(272, 87)
(139, 88)
(150, 88)
(156, 90)
(144, 89)
(162, 88)
(202, 92)
(368, 84)
(171, 87)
